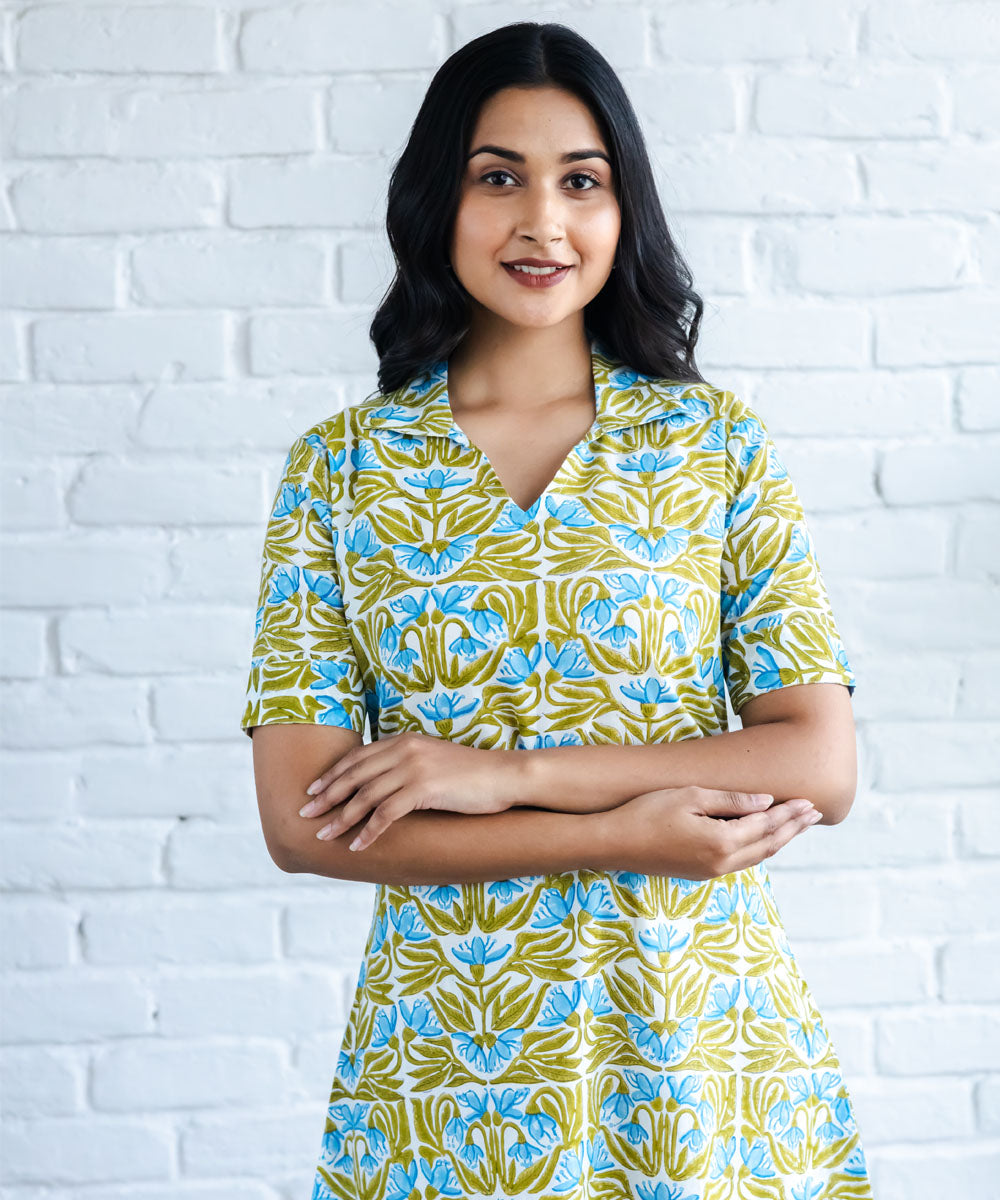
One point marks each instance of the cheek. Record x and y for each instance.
(476, 225)
(598, 230)
(608, 221)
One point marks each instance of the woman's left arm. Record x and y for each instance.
(796, 740)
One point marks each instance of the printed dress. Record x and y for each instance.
(588, 1033)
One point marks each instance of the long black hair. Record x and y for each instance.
(647, 313)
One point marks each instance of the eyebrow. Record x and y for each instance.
(513, 156)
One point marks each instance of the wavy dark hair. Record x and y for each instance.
(647, 314)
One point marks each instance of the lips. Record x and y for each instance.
(530, 280)
(535, 262)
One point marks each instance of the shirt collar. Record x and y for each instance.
(623, 398)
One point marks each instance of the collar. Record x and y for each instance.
(623, 398)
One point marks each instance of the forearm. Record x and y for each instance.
(786, 759)
(435, 847)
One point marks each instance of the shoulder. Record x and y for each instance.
(678, 401)
(334, 439)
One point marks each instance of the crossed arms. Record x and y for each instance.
(573, 809)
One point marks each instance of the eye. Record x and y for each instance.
(489, 174)
(576, 175)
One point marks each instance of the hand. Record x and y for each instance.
(701, 833)
(405, 772)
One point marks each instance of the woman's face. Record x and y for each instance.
(520, 199)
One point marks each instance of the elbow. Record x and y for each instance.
(282, 857)
(838, 771)
(281, 852)
(837, 803)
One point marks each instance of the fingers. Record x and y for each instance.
(760, 835)
(347, 774)
(719, 803)
(371, 798)
(379, 822)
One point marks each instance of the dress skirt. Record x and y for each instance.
(586, 1034)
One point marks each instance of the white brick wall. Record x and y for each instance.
(190, 248)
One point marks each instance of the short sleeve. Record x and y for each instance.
(777, 626)
(303, 665)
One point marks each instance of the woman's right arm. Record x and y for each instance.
(424, 847)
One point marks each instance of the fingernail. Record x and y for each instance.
(313, 787)
(802, 807)
(816, 816)
(325, 833)
(355, 844)
(307, 810)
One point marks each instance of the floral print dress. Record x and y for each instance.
(604, 1034)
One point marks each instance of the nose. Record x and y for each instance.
(542, 217)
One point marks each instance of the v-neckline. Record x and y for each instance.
(530, 513)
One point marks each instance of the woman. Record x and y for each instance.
(534, 561)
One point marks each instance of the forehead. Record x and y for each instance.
(544, 121)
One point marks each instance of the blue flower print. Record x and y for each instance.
(733, 607)
(649, 691)
(411, 606)
(402, 1181)
(759, 999)
(409, 923)
(540, 1128)
(744, 503)
(767, 673)
(424, 562)
(668, 1049)
(360, 539)
(569, 512)
(440, 1174)
(757, 1157)
(553, 908)
(663, 938)
(571, 662)
(284, 585)
(659, 550)
(561, 1002)
(384, 1026)
(289, 499)
(486, 624)
(479, 951)
(505, 890)
(398, 441)
(436, 480)
(598, 901)
(593, 1151)
(332, 712)
(723, 904)
(722, 1157)
(722, 1000)
(753, 902)
(513, 519)
(448, 707)
(324, 586)
(519, 664)
(808, 1037)
(692, 412)
(420, 1016)
(444, 895)
(650, 463)
(488, 1058)
(364, 458)
(663, 1191)
(390, 647)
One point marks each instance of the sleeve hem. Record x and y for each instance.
(338, 704)
(789, 678)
